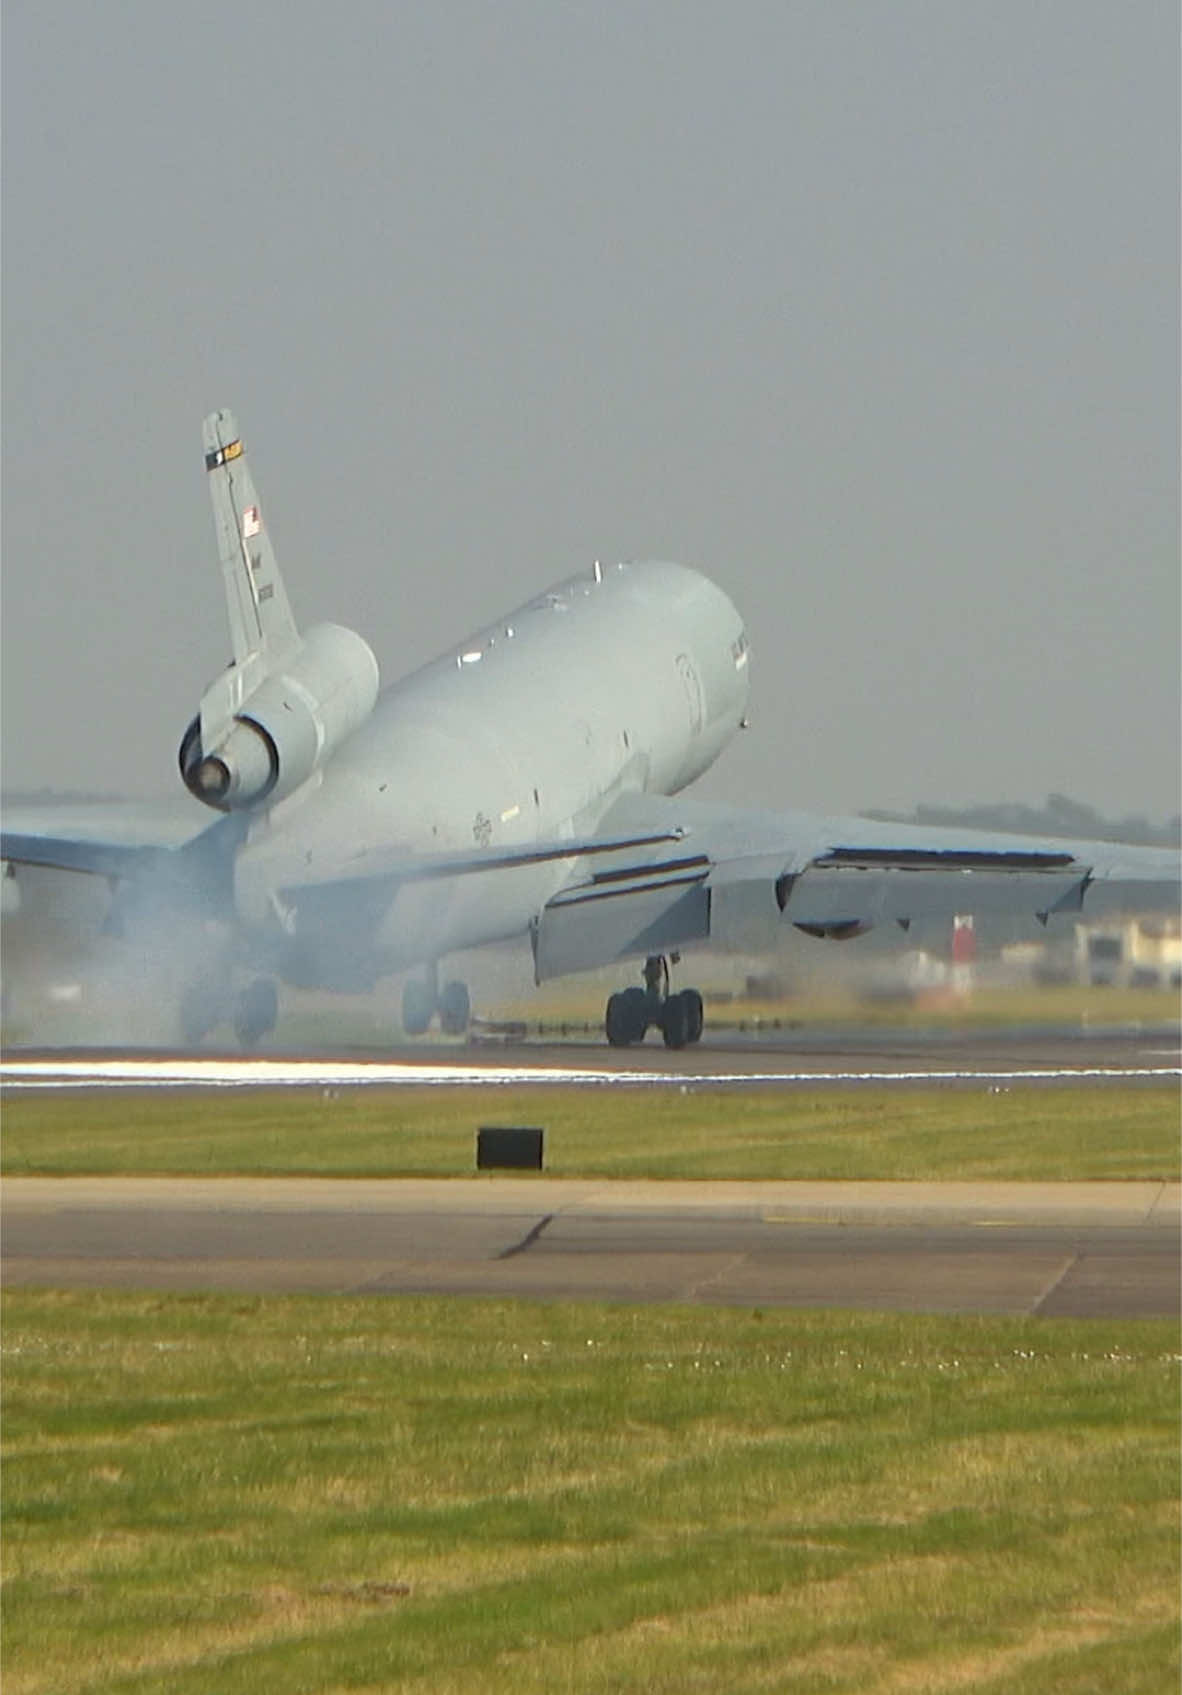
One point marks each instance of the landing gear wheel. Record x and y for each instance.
(613, 1024)
(454, 1009)
(627, 1018)
(202, 1008)
(256, 1011)
(636, 1012)
(631, 1012)
(675, 1021)
(418, 1007)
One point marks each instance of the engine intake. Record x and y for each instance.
(288, 726)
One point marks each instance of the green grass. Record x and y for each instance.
(306, 1495)
(1026, 1132)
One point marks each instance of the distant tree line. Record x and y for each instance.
(1060, 816)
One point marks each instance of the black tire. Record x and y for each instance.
(616, 1024)
(256, 1011)
(635, 1009)
(675, 1021)
(201, 1010)
(613, 1026)
(693, 1001)
(626, 1020)
(418, 1007)
(454, 1009)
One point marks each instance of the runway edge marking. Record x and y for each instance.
(261, 1073)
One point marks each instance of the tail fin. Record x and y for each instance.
(262, 630)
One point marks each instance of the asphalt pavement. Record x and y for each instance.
(1082, 1249)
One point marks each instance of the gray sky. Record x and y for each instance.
(871, 310)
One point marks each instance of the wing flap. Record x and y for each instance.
(580, 937)
(1009, 860)
(825, 901)
(622, 911)
(869, 883)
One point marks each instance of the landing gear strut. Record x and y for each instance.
(422, 998)
(631, 1012)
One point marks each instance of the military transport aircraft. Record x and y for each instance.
(521, 785)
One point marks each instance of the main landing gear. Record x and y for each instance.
(422, 998)
(631, 1012)
(210, 1000)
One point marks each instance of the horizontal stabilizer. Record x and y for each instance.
(61, 853)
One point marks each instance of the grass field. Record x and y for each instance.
(305, 1495)
(1026, 1132)
(210, 1495)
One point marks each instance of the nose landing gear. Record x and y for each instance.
(631, 1012)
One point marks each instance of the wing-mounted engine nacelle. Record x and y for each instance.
(287, 726)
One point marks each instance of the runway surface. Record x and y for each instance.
(771, 1058)
(1086, 1249)
(1109, 1249)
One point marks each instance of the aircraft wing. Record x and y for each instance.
(829, 876)
(661, 874)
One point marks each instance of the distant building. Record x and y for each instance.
(1130, 953)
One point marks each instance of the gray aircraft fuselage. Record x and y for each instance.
(629, 680)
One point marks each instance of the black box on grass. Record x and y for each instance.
(512, 1146)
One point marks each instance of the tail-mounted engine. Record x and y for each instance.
(285, 727)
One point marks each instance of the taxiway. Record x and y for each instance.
(1083, 1249)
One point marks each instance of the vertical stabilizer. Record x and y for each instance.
(262, 630)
